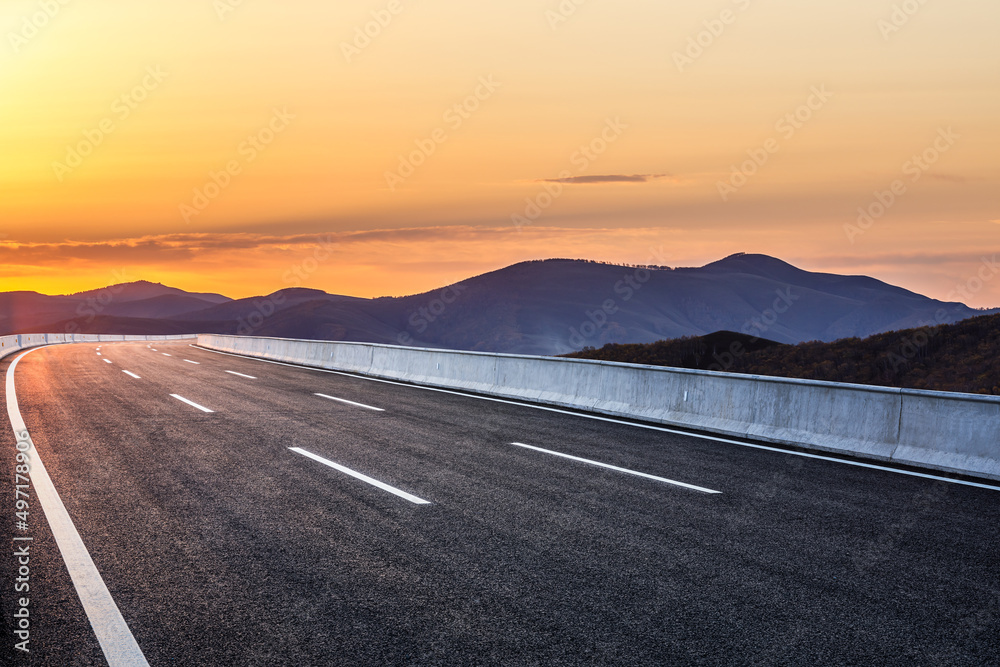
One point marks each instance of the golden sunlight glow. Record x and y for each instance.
(211, 145)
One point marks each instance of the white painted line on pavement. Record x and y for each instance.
(612, 420)
(154, 349)
(113, 634)
(166, 355)
(108, 361)
(249, 377)
(364, 478)
(191, 403)
(99, 354)
(344, 400)
(611, 467)
(131, 374)
(198, 363)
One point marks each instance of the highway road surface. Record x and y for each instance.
(240, 512)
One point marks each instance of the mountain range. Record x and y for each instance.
(551, 306)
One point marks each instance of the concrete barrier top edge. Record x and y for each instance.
(951, 395)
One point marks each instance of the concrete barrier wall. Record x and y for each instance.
(943, 431)
(950, 431)
(15, 343)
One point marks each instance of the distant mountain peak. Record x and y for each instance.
(118, 287)
(748, 259)
(305, 291)
(300, 293)
(144, 289)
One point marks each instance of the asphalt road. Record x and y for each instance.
(223, 545)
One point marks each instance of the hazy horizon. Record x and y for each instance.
(124, 278)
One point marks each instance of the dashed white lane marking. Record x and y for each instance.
(99, 354)
(191, 403)
(344, 400)
(249, 377)
(131, 374)
(113, 634)
(108, 361)
(611, 467)
(613, 420)
(166, 355)
(364, 478)
(197, 363)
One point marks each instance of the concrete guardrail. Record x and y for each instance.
(945, 431)
(15, 343)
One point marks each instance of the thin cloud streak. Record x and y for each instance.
(184, 246)
(607, 178)
(904, 259)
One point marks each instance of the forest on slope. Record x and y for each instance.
(960, 357)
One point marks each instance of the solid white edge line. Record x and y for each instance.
(249, 377)
(131, 374)
(344, 400)
(116, 640)
(364, 478)
(662, 429)
(191, 403)
(611, 467)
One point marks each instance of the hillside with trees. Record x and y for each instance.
(961, 357)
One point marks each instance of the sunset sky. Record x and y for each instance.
(245, 146)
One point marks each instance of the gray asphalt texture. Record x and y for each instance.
(223, 547)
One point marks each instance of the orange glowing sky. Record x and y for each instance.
(114, 116)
